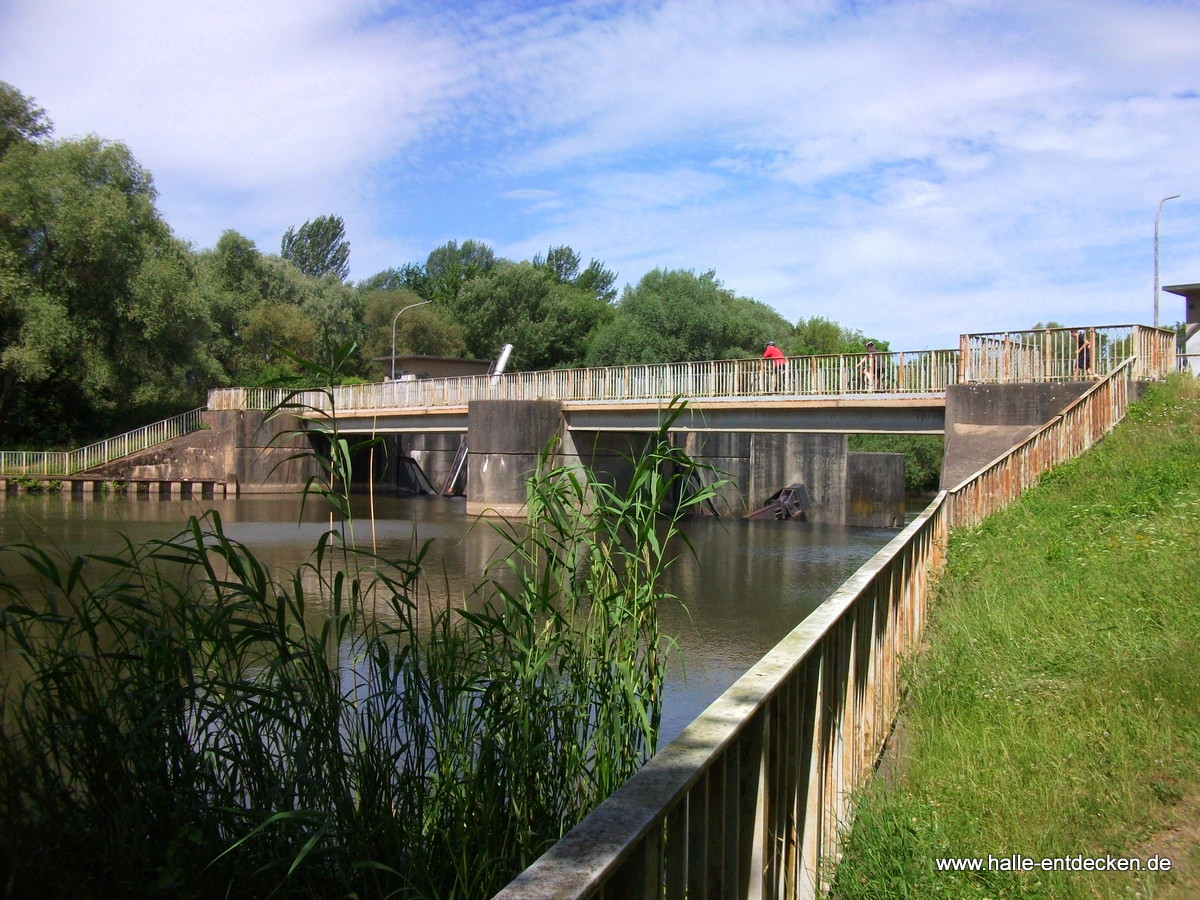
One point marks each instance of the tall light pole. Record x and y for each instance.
(413, 306)
(1157, 216)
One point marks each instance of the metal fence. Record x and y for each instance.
(1053, 354)
(921, 372)
(1065, 354)
(68, 462)
(753, 799)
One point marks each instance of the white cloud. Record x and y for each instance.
(912, 169)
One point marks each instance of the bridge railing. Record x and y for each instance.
(920, 372)
(68, 462)
(1042, 355)
(1056, 354)
(753, 799)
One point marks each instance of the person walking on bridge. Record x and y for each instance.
(1083, 354)
(775, 367)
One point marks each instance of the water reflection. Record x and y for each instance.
(746, 586)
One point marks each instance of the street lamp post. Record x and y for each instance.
(413, 306)
(1157, 216)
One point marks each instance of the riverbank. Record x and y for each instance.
(1055, 713)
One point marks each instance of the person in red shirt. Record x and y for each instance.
(775, 373)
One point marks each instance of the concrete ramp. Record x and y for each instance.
(985, 421)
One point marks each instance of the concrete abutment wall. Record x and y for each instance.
(985, 421)
(240, 449)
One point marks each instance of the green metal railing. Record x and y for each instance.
(70, 462)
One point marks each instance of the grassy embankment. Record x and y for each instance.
(1055, 710)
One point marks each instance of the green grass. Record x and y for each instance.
(1055, 710)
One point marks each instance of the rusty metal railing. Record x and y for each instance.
(1065, 354)
(753, 798)
(920, 372)
(1043, 355)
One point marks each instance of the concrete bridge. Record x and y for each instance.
(765, 423)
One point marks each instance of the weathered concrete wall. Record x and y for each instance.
(985, 421)
(612, 455)
(505, 439)
(875, 490)
(434, 453)
(237, 448)
(759, 464)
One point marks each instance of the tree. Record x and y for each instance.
(818, 336)
(548, 323)
(100, 320)
(318, 248)
(450, 266)
(409, 277)
(428, 330)
(20, 120)
(563, 264)
(676, 316)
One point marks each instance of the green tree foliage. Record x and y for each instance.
(548, 322)
(319, 247)
(818, 336)
(676, 315)
(563, 263)
(20, 120)
(99, 316)
(427, 330)
(256, 300)
(450, 266)
(409, 277)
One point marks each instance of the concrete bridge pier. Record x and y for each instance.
(506, 437)
(504, 440)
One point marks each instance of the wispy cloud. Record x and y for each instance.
(912, 169)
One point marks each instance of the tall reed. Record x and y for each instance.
(180, 721)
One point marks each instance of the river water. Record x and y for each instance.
(748, 584)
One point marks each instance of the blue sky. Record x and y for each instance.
(911, 169)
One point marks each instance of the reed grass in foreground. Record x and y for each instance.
(183, 723)
(1055, 711)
